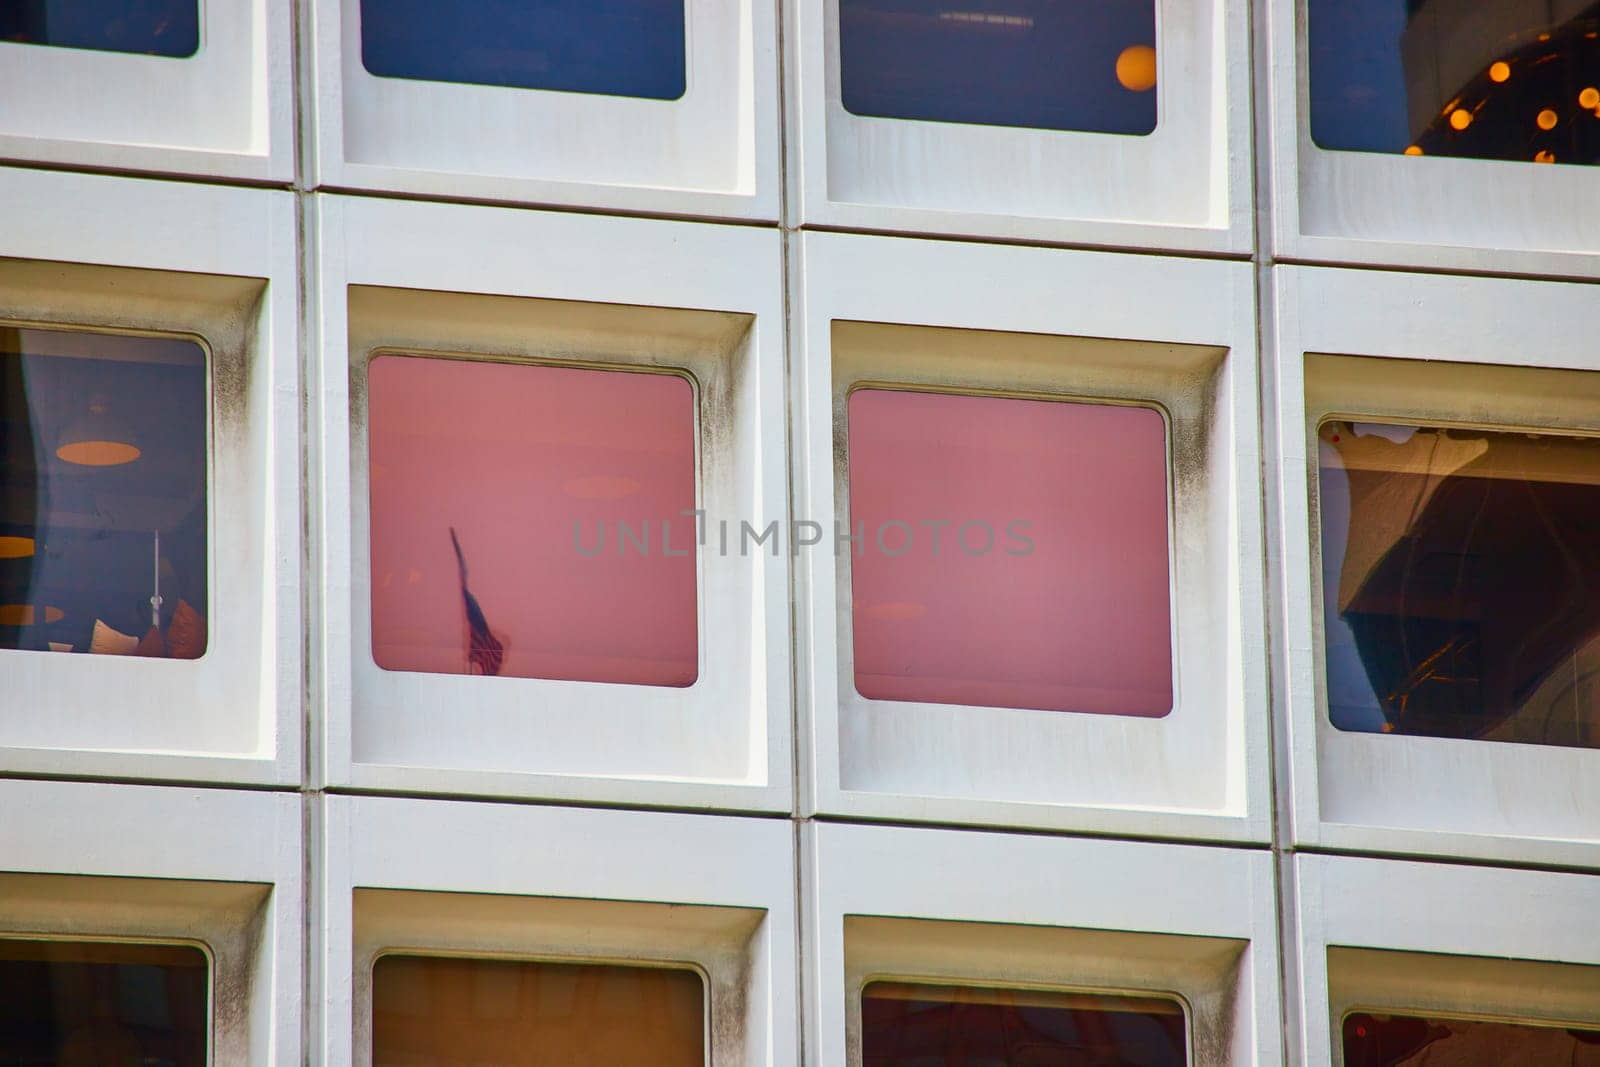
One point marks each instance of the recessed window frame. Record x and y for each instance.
(1387, 209)
(886, 310)
(214, 868)
(225, 112)
(1459, 360)
(123, 261)
(713, 152)
(888, 903)
(1053, 186)
(698, 300)
(1372, 936)
(586, 885)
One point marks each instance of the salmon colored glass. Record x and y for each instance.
(1372, 1040)
(566, 490)
(1010, 553)
(438, 1010)
(906, 1024)
(86, 1004)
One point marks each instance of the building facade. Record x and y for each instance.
(845, 532)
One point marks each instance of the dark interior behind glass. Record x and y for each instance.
(1374, 1040)
(443, 1010)
(613, 47)
(1482, 79)
(168, 28)
(103, 501)
(1087, 65)
(906, 1024)
(89, 1004)
(1461, 582)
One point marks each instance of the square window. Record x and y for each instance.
(1373, 1039)
(1502, 79)
(905, 1024)
(612, 47)
(440, 1009)
(151, 27)
(1460, 569)
(1011, 553)
(1031, 63)
(104, 521)
(71, 1002)
(532, 521)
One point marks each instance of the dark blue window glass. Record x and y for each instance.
(1478, 79)
(1087, 65)
(613, 47)
(81, 1002)
(1461, 582)
(145, 27)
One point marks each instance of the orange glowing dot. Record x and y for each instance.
(1414, 150)
(16, 547)
(99, 453)
(1136, 68)
(1589, 99)
(1547, 119)
(1460, 118)
(1544, 156)
(1500, 71)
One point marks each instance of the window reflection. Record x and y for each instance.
(1085, 65)
(438, 1010)
(1010, 553)
(1372, 1040)
(149, 27)
(103, 516)
(83, 1004)
(1461, 582)
(615, 47)
(914, 1025)
(1484, 79)
(532, 521)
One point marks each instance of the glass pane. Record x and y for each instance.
(530, 521)
(913, 1025)
(436, 1010)
(1404, 1040)
(1010, 553)
(1085, 65)
(614, 47)
(147, 27)
(1484, 79)
(82, 1004)
(103, 515)
(1461, 582)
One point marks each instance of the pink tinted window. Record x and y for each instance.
(1010, 553)
(527, 521)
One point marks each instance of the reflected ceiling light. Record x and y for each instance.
(1460, 118)
(1544, 155)
(95, 440)
(1589, 99)
(1547, 119)
(16, 547)
(1414, 150)
(1136, 68)
(24, 614)
(1500, 71)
